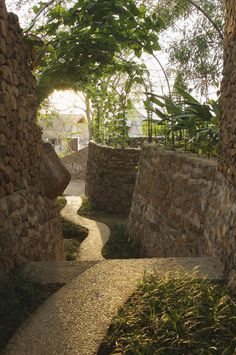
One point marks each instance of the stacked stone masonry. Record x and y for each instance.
(227, 161)
(29, 222)
(111, 175)
(182, 206)
(76, 163)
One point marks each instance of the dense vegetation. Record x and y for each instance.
(174, 314)
(98, 46)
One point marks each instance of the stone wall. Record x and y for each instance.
(182, 206)
(111, 175)
(227, 162)
(139, 142)
(29, 222)
(76, 163)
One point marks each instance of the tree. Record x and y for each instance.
(197, 51)
(82, 40)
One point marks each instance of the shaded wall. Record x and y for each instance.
(111, 175)
(29, 222)
(182, 206)
(76, 163)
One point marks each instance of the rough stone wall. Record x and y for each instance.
(182, 206)
(111, 175)
(139, 142)
(227, 162)
(76, 163)
(29, 222)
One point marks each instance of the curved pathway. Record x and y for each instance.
(91, 248)
(76, 318)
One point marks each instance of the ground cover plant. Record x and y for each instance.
(61, 202)
(73, 235)
(118, 246)
(89, 208)
(174, 314)
(18, 299)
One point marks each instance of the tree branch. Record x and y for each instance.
(39, 13)
(208, 17)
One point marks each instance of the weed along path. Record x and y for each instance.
(75, 319)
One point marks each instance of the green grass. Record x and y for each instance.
(89, 208)
(71, 247)
(174, 315)
(61, 202)
(73, 235)
(118, 246)
(73, 230)
(18, 299)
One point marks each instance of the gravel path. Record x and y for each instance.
(91, 248)
(76, 318)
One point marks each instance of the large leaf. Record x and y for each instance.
(186, 95)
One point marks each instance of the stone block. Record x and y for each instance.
(53, 174)
(110, 178)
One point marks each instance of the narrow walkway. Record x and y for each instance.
(76, 318)
(91, 248)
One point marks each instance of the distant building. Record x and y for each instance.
(135, 121)
(69, 132)
(66, 132)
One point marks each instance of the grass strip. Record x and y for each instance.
(174, 315)
(118, 246)
(73, 235)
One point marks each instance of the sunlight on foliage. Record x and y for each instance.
(174, 314)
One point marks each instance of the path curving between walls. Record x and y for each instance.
(99, 233)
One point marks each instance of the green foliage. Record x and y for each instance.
(174, 314)
(73, 230)
(112, 98)
(118, 245)
(88, 208)
(109, 114)
(85, 44)
(71, 247)
(73, 235)
(186, 123)
(61, 202)
(82, 40)
(197, 51)
(47, 119)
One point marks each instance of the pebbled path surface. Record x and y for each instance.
(91, 248)
(76, 318)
